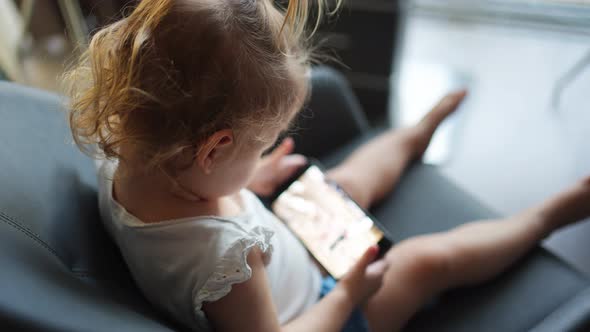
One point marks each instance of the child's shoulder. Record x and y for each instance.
(202, 257)
(203, 239)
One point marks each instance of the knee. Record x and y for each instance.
(425, 259)
(352, 185)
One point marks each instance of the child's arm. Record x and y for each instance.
(352, 291)
(249, 306)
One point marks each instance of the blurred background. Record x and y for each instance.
(521, 135)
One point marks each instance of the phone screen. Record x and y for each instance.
(335, 230)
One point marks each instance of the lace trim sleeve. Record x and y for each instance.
(233, 268)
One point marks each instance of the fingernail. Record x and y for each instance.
(374, 249)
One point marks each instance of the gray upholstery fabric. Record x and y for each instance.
(571, 316)
(331, 119)
(60, 272)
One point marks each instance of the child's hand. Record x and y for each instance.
(276, 168)
(365, 277)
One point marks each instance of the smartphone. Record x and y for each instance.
(333, 228)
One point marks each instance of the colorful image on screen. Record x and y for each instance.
(332, 227)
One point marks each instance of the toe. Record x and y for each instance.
(445, 107)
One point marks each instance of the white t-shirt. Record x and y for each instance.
(181, 263)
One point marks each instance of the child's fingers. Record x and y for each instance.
(365, 277)
(367, 258)
(288, 165)
(374, 275)
(292, 162)
(286, 147)
(376, 270)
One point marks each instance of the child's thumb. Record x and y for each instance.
(376, 270)
(367, 258)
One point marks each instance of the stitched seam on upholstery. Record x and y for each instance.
(81, 273)
(555, 316)
(18, 224)
(32, 235)
(23, 229)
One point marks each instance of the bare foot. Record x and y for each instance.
(569, 206)
(423, 131)
(372, 170)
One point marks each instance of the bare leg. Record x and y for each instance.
(372, 170)
(423, 266)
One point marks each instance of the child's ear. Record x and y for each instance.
(213, 148)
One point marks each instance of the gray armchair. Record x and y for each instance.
(61, 272)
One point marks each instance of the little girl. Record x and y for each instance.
(182, 98)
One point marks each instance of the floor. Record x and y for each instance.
(513, 147)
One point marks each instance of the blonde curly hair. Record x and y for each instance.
(173, 72)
